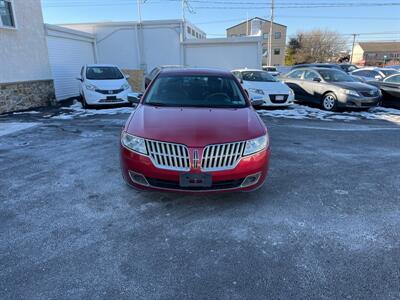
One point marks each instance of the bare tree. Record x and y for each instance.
(318, 46)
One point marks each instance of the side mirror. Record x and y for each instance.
(134, 98)
(79, 78)
(317, 79)
(127, 77)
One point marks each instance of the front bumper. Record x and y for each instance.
(271, 99)
(348, 101)
(167, 180)
(95, 98)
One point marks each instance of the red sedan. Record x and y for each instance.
(194, 130)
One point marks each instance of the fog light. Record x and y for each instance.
(251, 180)
(138, 178)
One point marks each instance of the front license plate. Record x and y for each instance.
(280, 98)
(195, 180)
(112, 98)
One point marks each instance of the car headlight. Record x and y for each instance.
(134, 143)
(256, 91)
(125, 86)
(256, 145)
(90, 87)
(350, 92)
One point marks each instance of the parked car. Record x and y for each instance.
(348, 67)
(194, 130)
(271, 70)
(390, 87)
(372, 73)
(103, 85)
(318, 65)
(153, 73)
(331, 88)
(395, 67)
(261, 85)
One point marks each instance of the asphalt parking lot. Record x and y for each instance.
(326, 224)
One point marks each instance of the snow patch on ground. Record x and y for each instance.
(76, 110)
(8, 128)
(297, 111)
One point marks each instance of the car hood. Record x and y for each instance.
(113, 84)
(271, 87)
(195, 127)
(358, 86)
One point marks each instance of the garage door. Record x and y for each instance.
(67, 56)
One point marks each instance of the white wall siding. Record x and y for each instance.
(227, 54)
(67, 54)
(118, 46)
(23, 51)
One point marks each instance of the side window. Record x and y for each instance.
(393, 79)
(372, 74)
(310, 75)
(360, 73)
(296, 74)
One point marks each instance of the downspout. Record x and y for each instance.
(96, 56)
(182, 38)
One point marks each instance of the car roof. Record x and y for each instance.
(195, 71)
(315, 68)
(250, 70)
(101, 65)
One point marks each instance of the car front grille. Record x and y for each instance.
(274, 100)
(219, 185)
(222, 156)
(168, 156)
(370, 93)
(109, 92)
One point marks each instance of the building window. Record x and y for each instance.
(265, 52)
(189, 30)
(277, 51)
(6, 14)
(277, 35)
(265, 36)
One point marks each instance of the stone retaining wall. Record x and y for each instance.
(25, 95)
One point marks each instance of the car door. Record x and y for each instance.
(294, 80)
(312, 87)
(391, 86)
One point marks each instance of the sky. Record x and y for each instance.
(214, 16)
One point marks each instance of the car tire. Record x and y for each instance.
(329, 102)
(85, 105)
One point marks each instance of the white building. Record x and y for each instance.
(25, 77)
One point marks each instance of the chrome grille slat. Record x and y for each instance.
(168, 156)
(222, 156)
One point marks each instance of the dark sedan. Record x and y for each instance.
(331, 88)
(390, 88)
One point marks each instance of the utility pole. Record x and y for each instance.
(139, 10)
(270, 33)
(183, 10)
(247, 23)
(352, 47)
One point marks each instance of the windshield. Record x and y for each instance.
(257, 76)
(335, 76)
(103, 73)
(388, 72)
(195, 91)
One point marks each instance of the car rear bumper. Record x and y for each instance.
(95, 98)
(134, 164)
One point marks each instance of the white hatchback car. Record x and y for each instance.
(103, 85)
(263, 86)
